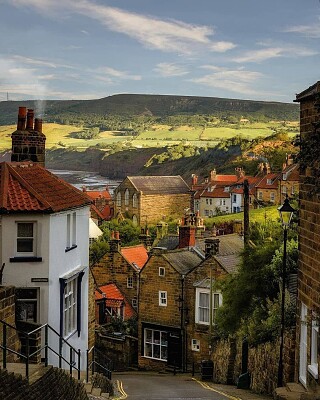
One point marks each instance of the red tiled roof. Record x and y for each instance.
(264, 185)
(137, 255)
(114, 298)
(28, 187)
(95, 194)
(226, 178)
(102, 214)
(217, 192)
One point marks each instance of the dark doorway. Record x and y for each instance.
(174, 350)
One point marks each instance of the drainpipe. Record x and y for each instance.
(183, 330)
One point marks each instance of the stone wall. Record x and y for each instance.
(7, 314)
(263, 361)
(91, 311)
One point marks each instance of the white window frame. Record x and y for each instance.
(134, 303)
(30, 238)
(260, 195)
(28, 305)
(195, 345)
(272, 197)
(162, 271)
(130, 282)
(216, 303)
(153, 343)
(313, 366)
(70, 307)
(71, 240)
(163, 300)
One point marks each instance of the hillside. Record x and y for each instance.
(151, 105)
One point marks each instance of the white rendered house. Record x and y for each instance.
(44, 236)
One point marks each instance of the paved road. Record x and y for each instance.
(158, 387)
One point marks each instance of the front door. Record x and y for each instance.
(303, 345)
(174, 350)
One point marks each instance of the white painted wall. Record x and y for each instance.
(56, 263)
(236, 200)
(208, 206)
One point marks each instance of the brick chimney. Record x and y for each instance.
(194, 179)
(213, 175)
(187, 236)
(239, 172)
(28, 141)
(114, 242)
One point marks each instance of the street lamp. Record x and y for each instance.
(286, 213)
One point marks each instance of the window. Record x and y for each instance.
(260, 195)
(162, 298)
(134, 201)
(130, 282)
(206, 213)
(195, 345)
(26, 238)
(210, 202)
(118, 199)
(27, 304)
(284, 189)
(224, 202)
(162, 271)
(272, 197)
(134, 303)
(292, 189)
(71, 231)
(313, 366)
(156, 344)
(234, 198)
(70, 307)
(203, 305)
(207, 201)
(269, 181)
(126, 197)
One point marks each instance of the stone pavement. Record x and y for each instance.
(238, 394)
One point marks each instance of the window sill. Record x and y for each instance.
(70, 248)
(25, 259)
(313, 370)
(156, 359)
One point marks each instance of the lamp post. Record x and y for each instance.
(286, 213)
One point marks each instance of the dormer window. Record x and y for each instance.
(284, 177)
(269, 181)
(226, 189)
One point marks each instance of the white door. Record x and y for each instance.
(303, 345)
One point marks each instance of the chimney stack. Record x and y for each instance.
(22, 115)
(187, 236)
(213, 175)
(194, 179)
(30, 117)
(114, 242)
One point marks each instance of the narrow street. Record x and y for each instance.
(145, 386)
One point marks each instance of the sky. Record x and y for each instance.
(90, 49)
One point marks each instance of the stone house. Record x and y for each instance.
(307, 356)
(176, 310)
(289, 181)
(102, 208)
(267, 190)
(121, 266)
(149, 199)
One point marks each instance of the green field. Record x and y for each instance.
(160, 135)
(261, 215)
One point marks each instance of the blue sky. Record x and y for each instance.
(86, 49)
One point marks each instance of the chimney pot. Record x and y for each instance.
(117, 235)
(38, 125)
(21, 125)
(30, 117)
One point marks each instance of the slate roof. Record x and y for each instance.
(183, 260)
(169, 242)
(159, 184)
(135, 255)
(28, 187)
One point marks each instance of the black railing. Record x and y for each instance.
(98, 363)
(74, 355)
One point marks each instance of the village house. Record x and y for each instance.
(289, 180)
(121, 266)
(307, 356)
(102, 208)
(149, 199)
(177, 307)
(44, 242)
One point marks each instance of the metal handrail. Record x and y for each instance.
(46, 347)
(91, 365)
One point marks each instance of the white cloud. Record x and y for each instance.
(237, 80)
(168, 70)
(152, 32)
(312, 30)
(222, 47)
(274, 52)
(107, 72)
